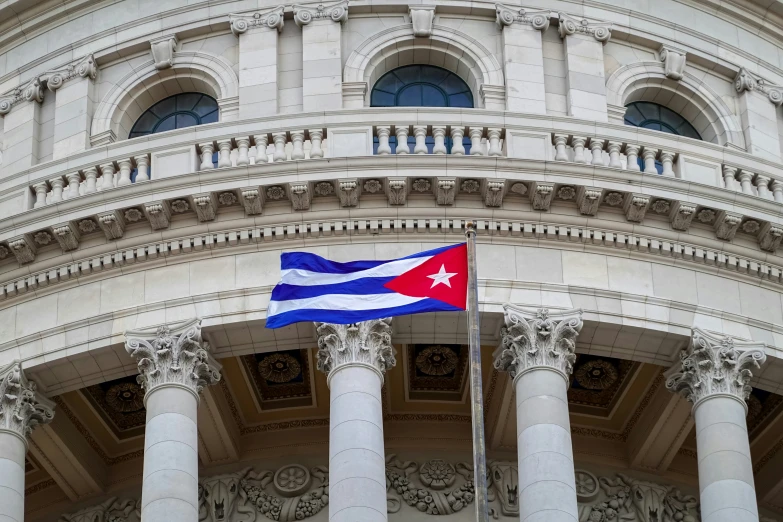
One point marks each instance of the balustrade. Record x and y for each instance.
(456, 140)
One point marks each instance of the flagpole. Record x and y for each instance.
(476, 391)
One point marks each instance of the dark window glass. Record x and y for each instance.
(421, 86)
(648, 115)
(176, 112)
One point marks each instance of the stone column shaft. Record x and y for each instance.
(354, 357)
(714, 374)
(538, 352)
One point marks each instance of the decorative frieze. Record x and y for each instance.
(205, 206)
(305, 14)
(598, 30)
(22, 408)
(300, 195)
(269, 19)
(173, 356)
(673, 59)
(446, 190)
(367, 343)
(588, 199)
(67, 235)
(509, 14)
(422, 16)
(746, 81)
(636, 206)
(112, 223)
(726, 224)
(538, 338)
(23, 247)
(163, 51)
(348, 191)
(541, 195)
(681, 215)
(716, 364)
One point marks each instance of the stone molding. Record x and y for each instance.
(22, 408)
(305, 14)
(601, 31)
(422, 16)
(83, 68)
(173, 356)
(510, 14)
(716, 364)
(163, 49)
(110, 510)
(32, 91)
(673, 59)
(747, 81)
(538, 339)
(367, 343)
(266, 19)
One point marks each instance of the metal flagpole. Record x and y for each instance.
(476, 391)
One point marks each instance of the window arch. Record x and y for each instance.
(648, 115)
(176, 112)
(421, 86)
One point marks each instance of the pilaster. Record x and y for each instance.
(73, 105)
(758, 105)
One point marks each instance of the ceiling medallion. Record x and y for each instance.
(279, 368)
(437, 360)
(596, 375)
(125, 397)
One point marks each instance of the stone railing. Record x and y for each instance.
(457, 140)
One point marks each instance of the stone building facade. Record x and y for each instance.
(622, 163)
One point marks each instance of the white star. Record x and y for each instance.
(442, 277)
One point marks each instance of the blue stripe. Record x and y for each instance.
(314, 263)
(356, 316)
(364, 286)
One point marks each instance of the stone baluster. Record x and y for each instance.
(126, 166)
(457, 135)
(40, 194)
(384, 149)
(538, 352)
(667, 161)
(142, 167)
(745, 179)
(243, 147)
(476, 149)
(316, 137)
(714, 374)
(730, 177)
(224, 158)
(777, 190)
(74, 179)
(614, 148)
(355, 358)
(439, 136)
(597, 149)
(297, 141)
(107, 176)
(493, 137)
(401, 131)
(762, 186)
(560, 141)
(174, 365)
(262, 143)
(22, 408)
(632, 156)
(279, 139)
(578, 144)
(420, 133)
(90, 180)
(57, 189)
(207, 150)
(649, 156)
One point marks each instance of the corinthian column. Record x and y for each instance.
(714, 375)
(21, 409)
(538, 352)
(354, 358)
(174, 366)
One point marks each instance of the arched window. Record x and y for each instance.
(652, 116)
(421, 86)
(176, 112)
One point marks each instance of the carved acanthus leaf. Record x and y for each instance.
(205, 206)
(348, 192)
(368, 342)
(23, 247)
(397, 191)
(299, 194)
(770, 237)
(541, 195)
(636, 206)
(494, 190)
(158, 213)
(67, 235)
(681, 215)
(589, 199)
(726, 225)
(22, 408)
(446, 190)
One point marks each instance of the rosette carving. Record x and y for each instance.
(368, 343)
(173, 357)
(22, 408)
(538, 338)
(716, 364)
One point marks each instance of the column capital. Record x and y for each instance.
(538, 338)
(173, 356)
(269, 19)
(22, 408)
(510, 14)
(747, 81)
(82, 68)
(601, 31)
(715, 364)
(304, 14)
(367, 343)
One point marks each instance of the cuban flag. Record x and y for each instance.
(315, 289)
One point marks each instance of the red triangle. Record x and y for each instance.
(416, 283)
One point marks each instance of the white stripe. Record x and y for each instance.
(296, 276)
(342, 302)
